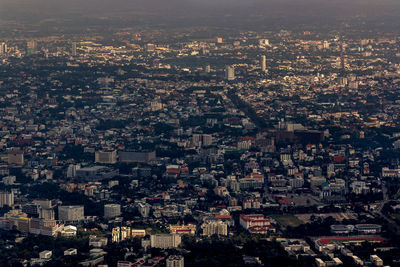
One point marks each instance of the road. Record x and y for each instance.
(378, 211)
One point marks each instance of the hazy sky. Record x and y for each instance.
(210, 11)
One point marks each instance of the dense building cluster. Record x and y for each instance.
(143, 148)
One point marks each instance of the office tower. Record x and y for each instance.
(263, 62)
(219, 40)
(73, 50)
(230, 73)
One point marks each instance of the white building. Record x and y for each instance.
(165, 241)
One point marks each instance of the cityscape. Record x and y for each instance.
(200, 145)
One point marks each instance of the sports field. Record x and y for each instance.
(287, 220)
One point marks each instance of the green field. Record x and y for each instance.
(287, 220)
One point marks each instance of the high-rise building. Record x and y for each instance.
(263, 63)
(230, 73)
(31, 47)
(112, 210)
(165, 241)
(342, 51)
(175, 261)
(3, 48)
(6, 199)
(215, 228)
(326, 45)
(73, 49)
(207, 140)
(144, 209)
(70, 213)
(106, 157)
(71, 170)
(219, 40)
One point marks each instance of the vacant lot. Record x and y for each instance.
(287, 220)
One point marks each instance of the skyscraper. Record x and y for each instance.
(263, 63)
(230, 73)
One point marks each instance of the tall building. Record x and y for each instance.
(71, 170)
(165, 241)
(326, 45)
(31, 47)
(215, 228)
(342, 51)
(112, 210)
(144, 209)
(106, 157)
(71, 213)
(207, 139)
(6, 199)
(263, 63)
(175, 261)
(230, 73)
(73, 49)
(3, 48)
